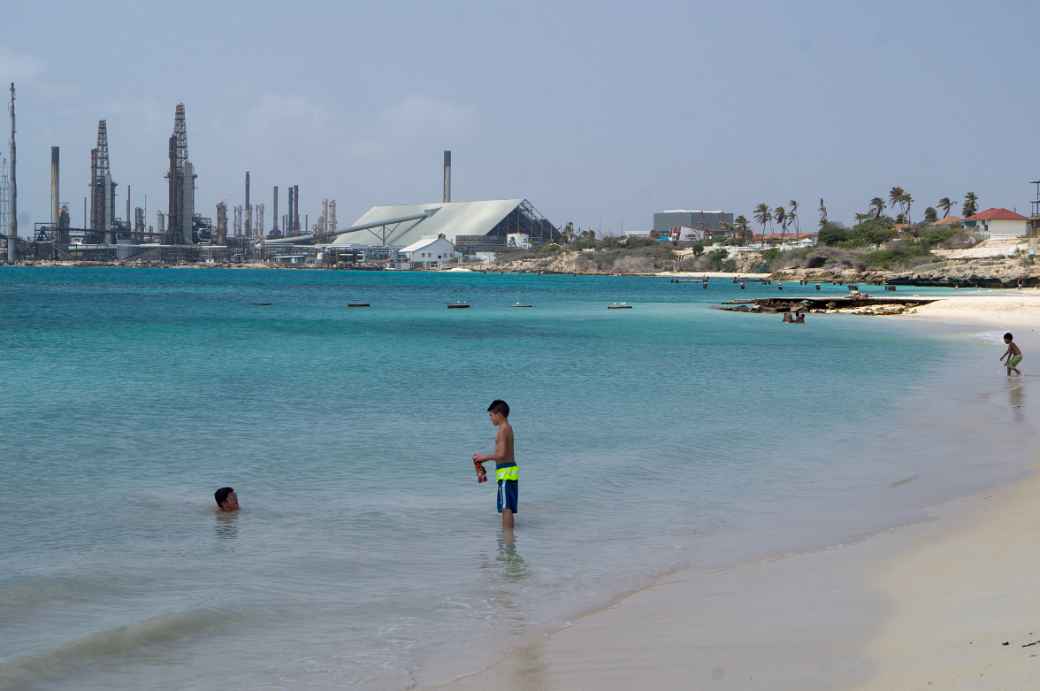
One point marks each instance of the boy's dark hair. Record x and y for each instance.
(1008, 336)
(221, 495)
(500, 407)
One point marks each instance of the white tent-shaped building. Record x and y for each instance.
(469, 226)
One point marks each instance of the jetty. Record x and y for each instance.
(825, 304)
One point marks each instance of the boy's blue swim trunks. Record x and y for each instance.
(508, 476)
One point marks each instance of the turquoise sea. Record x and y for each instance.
(365, 554)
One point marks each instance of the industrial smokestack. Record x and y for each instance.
(447, 177)
(249, 210)
(12, 209)
(55, 187)
(288, 221)
(275, 228)
(296, 207)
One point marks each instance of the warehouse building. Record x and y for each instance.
(481, 226)
(710, 221)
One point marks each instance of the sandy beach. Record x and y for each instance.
(945, 603)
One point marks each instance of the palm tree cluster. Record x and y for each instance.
(783, 217)
(898, 198)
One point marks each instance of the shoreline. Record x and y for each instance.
(941, 602)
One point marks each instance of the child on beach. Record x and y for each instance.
(1013, 355)
(507, 472)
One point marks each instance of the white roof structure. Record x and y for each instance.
(421, 244)
(404, 224)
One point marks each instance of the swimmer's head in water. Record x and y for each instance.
(226, 498)
(1008, 337)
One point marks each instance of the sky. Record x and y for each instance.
(599, 113)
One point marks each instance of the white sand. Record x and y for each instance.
(957, 600)
(927, 606)
(1000, 308)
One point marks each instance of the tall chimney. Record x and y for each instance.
(12, 209)
(296, 207)
(275, 229)
(249, 210)
(447, 177)
(55, 187)
(288, 223)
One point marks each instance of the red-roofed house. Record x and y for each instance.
(1000, 223)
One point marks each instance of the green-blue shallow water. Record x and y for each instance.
(666, 435)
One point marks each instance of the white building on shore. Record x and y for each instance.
(1000, 224)
(431, 251)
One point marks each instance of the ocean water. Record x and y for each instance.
(366, 555)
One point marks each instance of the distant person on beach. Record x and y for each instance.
(1013, 355)
(226, 498)
(507, 472)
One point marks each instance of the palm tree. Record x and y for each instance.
(895, 196)
(762, 216)
(930, 215)
(878, 205)
(741, 225)
(780, 216)
(945, 204)
(970, 207)
(907, 201)
(792, 215)
(823, 213)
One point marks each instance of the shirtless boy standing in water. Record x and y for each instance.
(507, 472)
(1013, 355)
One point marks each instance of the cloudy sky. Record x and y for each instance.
(597, 112)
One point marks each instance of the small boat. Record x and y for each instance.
(263, 304)
(619, 306)
(458, 305)
(521, 304)
(358, 304)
